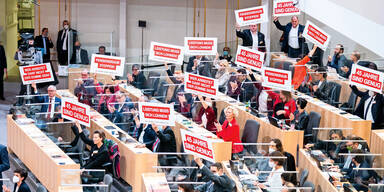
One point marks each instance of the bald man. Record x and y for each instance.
(293, 43)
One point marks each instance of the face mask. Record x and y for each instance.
(77, 47)
(179, 190)
(209, 103)
(225, 53)
(359, 146)
(271, 164)
(349, 148)
(371, 93)
(217, 174)
(15, 179)
(271, 150)
(66, 26)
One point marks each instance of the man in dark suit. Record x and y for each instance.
(44, 42)
(323, 89)
(119, 112)
(200, 65)
(370, 107)
(239, 87)
(19, 179)
(251, 37)
(79, 56)
(165, 142)
(293, 43)
(4, 161)
(63, 44)
(3, 71)
(218, 181)
(359, 177)
(51, 102)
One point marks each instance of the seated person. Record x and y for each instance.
(218, 181)
(165, 142)
(262, 101)
(99, 152)
(284, 105)
(102, 51)
(299, 119)
(87, 88)
(332, 149)
(289, 164)
(355, 60)
(338, 60)
(51, 102)
(274, 178)
(352, 143)
(137, 78)
(19, 176)
(359, 178)
(323, 89)
(104, 105)
(222, 74)
(120, 112)
(146, 134)
(207, 115)
(79, 56)
(239, 88)
(285, 177)
(226, 54)
(200, 65)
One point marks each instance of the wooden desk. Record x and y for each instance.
(316, 176)
(290, 139)
(43, 157)
(155, 182)
(222, 150)
(75, 73)
(133, 161)
(331, 118)
(377, 146)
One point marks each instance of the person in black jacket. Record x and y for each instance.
(218, 181)
(200, 65)
(289, 164)
(99, 152)
(3, 71)
(165, 142)
(323, 89)
(137, 78)
(79, 55)
(293, 43)
(4, 161)
(44, 42)
(19, 176)
(250, 36)
(63, 44)
(239, 87)
(300, 118)
(370, 107)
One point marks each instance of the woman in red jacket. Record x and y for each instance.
(283, 105)
(230, 130)
(207, 115)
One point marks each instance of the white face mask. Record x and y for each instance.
(217, 174)
(371, 93)
(15, 179)
(179, 190)
(271, 150)
(271, 164)
(66, 26)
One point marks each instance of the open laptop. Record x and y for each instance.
(273, 121)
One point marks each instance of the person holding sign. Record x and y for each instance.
(165, 142)
(293, 42)
(239, 88)
(371, 106)
(99, 151)
(251, 37)
(230, 130)
(87, 88)
(200, 65)
(218, 181)
(207, 114)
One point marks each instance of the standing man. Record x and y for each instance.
(251, 37)
(44, 42)
(63, 44)
(4, 161)
(293, 43)
(3, 71)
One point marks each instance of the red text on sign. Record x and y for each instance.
(167, 52)
(316, 34)
(201, 45)
(251, 14)
(201, 84)
(276, 77)
(367, 78)
(75, 111)
(249, 58)
(36, 72)
(197, 145)
(286, 7)
(107, 63)
(153, 112)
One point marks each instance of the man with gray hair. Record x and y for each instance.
(49, 103)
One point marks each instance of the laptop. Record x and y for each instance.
(274, 121)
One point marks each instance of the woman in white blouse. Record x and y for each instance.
(274, 179)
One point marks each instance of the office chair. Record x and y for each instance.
(313, 122)
(250, 135)
(152, 83)
(335, 94)
(108, 180)
(303, 177)
(40, 188)
(350, 105)
(309, 184)
(161, 91)
(222, 117)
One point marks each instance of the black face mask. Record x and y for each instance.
(77, 47)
